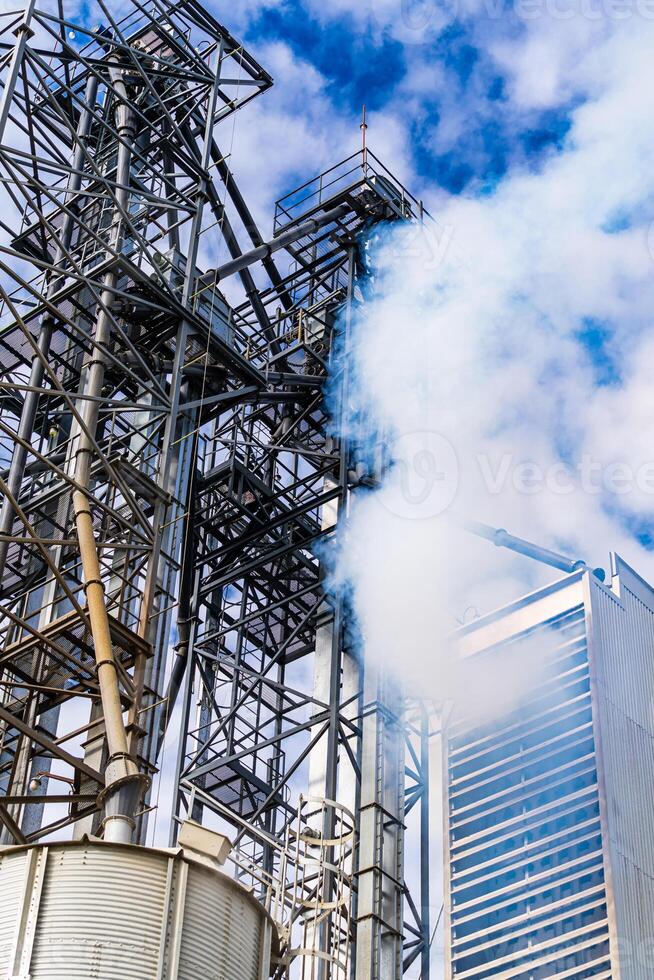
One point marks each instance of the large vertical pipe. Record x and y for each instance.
(123, 780)
(380, 872)
(30, 404)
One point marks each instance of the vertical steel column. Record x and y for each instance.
(380, 867)
(23, 32)
(30, 403)
(425, 868)
(178, 455)
(329, 655)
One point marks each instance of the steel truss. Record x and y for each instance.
(277, 702)
(105, 158)
(190, 446)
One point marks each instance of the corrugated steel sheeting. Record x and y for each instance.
(588, 836)
(12, 874)
(623, 648)
(225, 914)
(100, 914)
(96, 911)
(526, 872)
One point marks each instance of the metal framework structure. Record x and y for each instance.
(171, 474)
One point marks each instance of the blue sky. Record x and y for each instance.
(435, 82)
(363, 65)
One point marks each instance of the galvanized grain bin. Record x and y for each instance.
(91, 909)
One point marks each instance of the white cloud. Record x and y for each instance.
(289, 134)
(483, 348)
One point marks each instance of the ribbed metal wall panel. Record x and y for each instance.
(606, 720)
(100, 914)
(96, 911)
(209, 914)
(527, 893)
(12, 876)
(623, 650)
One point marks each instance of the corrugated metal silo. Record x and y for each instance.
(90, 909)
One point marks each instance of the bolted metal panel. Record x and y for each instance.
(100, 914)
(210, 913)
(623, 648)
(526, 892)
(116, 911)
(573, 866)
(12, 875)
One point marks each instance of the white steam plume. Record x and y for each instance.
(507, 352)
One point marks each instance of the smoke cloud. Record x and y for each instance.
(504, 352)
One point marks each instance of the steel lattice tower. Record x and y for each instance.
(171, 480)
